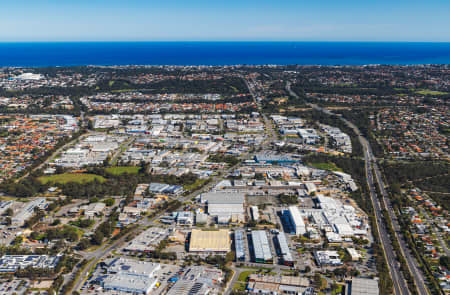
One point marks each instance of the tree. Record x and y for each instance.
(230, 257)
(97, 238)
(84, 244)
(444, 261)
(9, 212)
(109, 202)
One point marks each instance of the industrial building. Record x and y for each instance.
(163, 188)
(210, 241)
(224, 203)
(129, 284)
(296, 221)
(4, 205)
(268, 284)
(255, 214)
(148, 240)
(239, 245)
(359, 286)
(327, 258)
(28, 210)
(261, 247)
(272, 158)
(284, 250)
(127, 275)
(197, 280)
(11, 263)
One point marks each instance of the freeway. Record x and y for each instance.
(410, 260)
(399, 282)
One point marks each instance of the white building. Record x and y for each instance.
(296, 220)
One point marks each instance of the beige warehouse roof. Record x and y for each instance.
(213, 240)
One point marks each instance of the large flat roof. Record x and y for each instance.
(210, 240)
(223, 198)
(362, 286)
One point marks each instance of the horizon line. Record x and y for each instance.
(215, 41)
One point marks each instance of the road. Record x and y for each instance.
(411, 261)
(399, 282)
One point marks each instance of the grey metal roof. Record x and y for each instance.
(239, 243)
(261, 245)
(223, 198)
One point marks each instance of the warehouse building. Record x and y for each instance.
(268, 284)
(296, 221)
(272, 158)
(217, 241)
(148, 240)
(261, 248)
(359, 286)
(327, 258)
(284, 250)
(224, 203)
(4, 205)
(255, 214)
(127, 275)
(197, 280)
(239, 245)
(28, 210)
(11, 263)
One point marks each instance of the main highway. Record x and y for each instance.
(399, 282)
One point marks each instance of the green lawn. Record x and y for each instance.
(430, 92)
(239, 286)
(122, 169)
(326, 166)
(243, 276)
(123, 90)
(198, 183)
(71, 177)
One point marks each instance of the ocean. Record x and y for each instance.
(40, 54)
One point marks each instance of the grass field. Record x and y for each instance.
(119, 170)
(71, 177)
(243, 276)
(198, 183)
(430, 92)
(123, 90)
(326, 166)
(239, 286)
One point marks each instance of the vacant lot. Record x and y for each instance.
(122, 169)
(326, 166)
(430, 92)
(71, 177)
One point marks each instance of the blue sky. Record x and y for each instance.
(234, 20)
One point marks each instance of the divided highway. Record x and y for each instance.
(399, 282)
